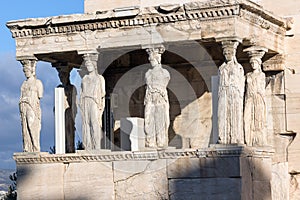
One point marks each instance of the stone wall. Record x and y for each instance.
(219, 172)
(289, 9)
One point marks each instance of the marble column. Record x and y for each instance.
(255, 112)
(30, 110)
(230, 96)
(69, 105)
(60, 147)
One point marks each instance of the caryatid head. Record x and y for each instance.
(28, 68)
(255, 63)
(256, 54)
(229, 49)
(90, 66)
(155, 55)
(64, 74)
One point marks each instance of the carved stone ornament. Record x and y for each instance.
(30, 110)
(136, 156)
(230, 96)
(255, 112)
(92, 102)
(156, 101)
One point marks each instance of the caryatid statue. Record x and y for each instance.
(30, 110)
(92, 102)
(231, 96)
(69, 105)
(156, 101)
(255, 100)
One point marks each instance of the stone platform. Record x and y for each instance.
(218, 172)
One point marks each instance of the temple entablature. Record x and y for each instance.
(205, 22)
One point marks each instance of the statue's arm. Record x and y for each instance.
(102, 87)
(242, 81)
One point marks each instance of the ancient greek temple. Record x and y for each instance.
(179, 99)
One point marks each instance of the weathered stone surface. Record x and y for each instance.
(262, 190)
(293, 156)
(293, 116)
(204, 167)
(227, 172)
(275, 100)
(92, 103)
(231, 96)
(290, 107)
(292, 101)
(244, 24)
(157, 107)
(92, 180)
(246, 180)
(294, 187)
(30, 110)
(280, 144)
(276, 63)
(40, 181)
(261, 169)
(140, 179)
(255, 114)
(194, 123)
(205, 188)
(280, 181)
(256, 171)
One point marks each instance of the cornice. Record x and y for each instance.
(201, 11)
(82, 156)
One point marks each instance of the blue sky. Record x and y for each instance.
(11, 76)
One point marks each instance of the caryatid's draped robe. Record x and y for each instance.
(230, 107)
(30, 111)
(156, 102)
(92, 103)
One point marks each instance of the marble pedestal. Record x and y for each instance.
(218, 172)
(132, 134)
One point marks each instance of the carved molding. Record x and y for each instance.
(276, 63)
(262, 22)
(43, 158)
(201, 11)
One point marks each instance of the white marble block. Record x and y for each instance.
(59, 121)
(132, 134)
